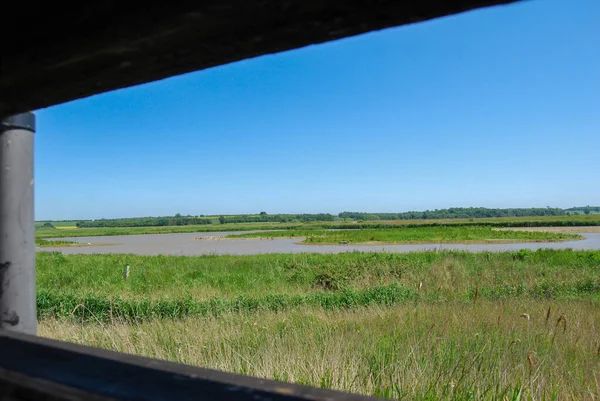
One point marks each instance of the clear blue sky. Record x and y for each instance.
(497, 107)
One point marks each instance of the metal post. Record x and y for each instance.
(17, 242)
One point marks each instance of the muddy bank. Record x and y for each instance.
(187, 244)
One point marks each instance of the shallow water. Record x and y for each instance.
(186, 244)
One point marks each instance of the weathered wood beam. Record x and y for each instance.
(33, 368)
(72, 50)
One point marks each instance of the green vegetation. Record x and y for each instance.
(93, 232)
(415, 235)
(548, 221)
(161, 286)
(102, 309)
(471, 213)
(57, 223)
(179, 220)
(264, 217)
(445, 325)
(457, 213)
(537, 221)
(583, 210)
(176, 220)
(42, 243)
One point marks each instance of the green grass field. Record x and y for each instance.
(445, 325)
(426, 326)
(412, 235)
(177, 286)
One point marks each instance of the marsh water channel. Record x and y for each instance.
(214, 243)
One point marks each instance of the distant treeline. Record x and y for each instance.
(276, 218)
(176, 220)
(179, 220)
(583, 210)
(263, 217)
(470, 213)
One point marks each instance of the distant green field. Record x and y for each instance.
(412, 235)
(583, 220)
(91, 232)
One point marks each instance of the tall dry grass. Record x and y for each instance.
(515, 349)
